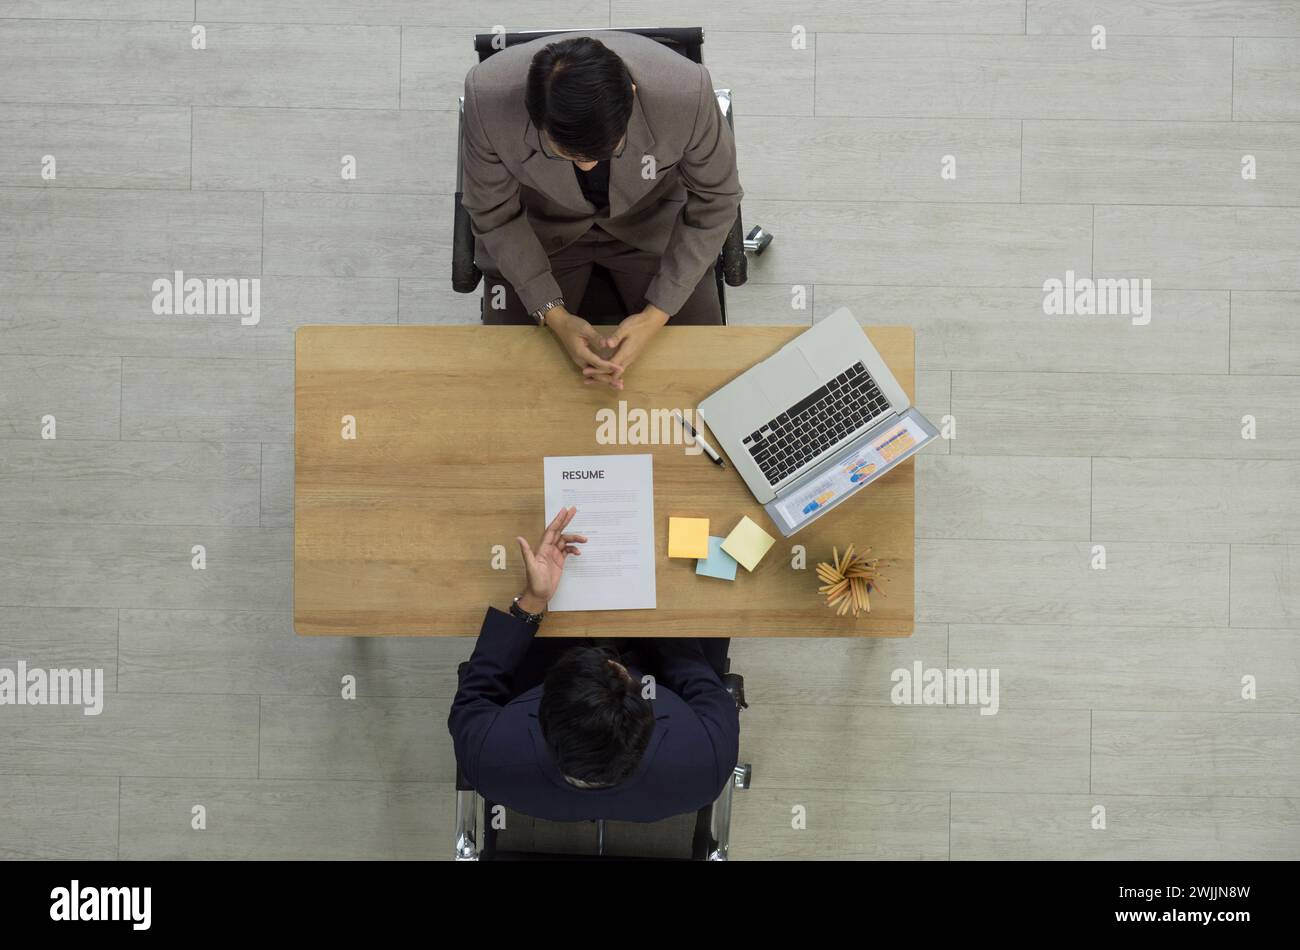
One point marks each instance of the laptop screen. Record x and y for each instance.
(864, 464)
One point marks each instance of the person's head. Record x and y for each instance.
(579, 97)
(594, 719)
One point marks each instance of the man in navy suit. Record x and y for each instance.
(568, 730)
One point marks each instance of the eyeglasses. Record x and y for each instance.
(546, 150)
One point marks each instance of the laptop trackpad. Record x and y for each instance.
(788, 377)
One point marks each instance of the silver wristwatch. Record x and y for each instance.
(540, 313)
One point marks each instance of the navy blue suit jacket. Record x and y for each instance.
(502, 753)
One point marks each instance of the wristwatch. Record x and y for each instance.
(525, 616)
(540, 313)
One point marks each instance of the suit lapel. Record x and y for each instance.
(626, 186)
(552, 177)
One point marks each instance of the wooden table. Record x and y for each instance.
(394, 530)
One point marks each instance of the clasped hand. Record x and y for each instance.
(604, 357)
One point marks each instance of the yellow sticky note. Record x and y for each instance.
(747, 543)
(688, 537)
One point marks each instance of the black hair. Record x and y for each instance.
(593, 717)
(580, 95)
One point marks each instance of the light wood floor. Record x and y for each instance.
(1120, 688)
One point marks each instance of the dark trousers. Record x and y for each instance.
(641, 653)
(630, 269)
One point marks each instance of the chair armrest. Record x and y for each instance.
(735, 266)
(465, 274)
(462, 784)
(735, 685)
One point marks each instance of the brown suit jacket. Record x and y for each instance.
(525, 206)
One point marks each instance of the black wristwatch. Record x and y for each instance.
(525, 616)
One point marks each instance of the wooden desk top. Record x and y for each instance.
(393, 531)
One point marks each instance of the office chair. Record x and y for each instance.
(601, 303)
(702, 835)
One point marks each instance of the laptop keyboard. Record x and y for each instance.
(816, 424)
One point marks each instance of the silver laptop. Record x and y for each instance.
(816, 422)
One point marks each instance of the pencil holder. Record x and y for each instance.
(849, 581)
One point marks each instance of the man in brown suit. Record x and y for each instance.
(600, 148)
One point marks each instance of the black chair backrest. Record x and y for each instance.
(685, 40)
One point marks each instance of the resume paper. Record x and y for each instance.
(614, 495)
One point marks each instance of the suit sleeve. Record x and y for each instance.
(713, 193)
(497, 215)
(685, 670)
(487, 685)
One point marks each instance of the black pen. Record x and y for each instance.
(708, 449)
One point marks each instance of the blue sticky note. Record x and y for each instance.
(718, 564)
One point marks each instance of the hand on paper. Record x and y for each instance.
(545, 564)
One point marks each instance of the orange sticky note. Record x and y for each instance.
(688, 537)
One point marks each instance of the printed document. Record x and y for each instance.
(614, 495)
